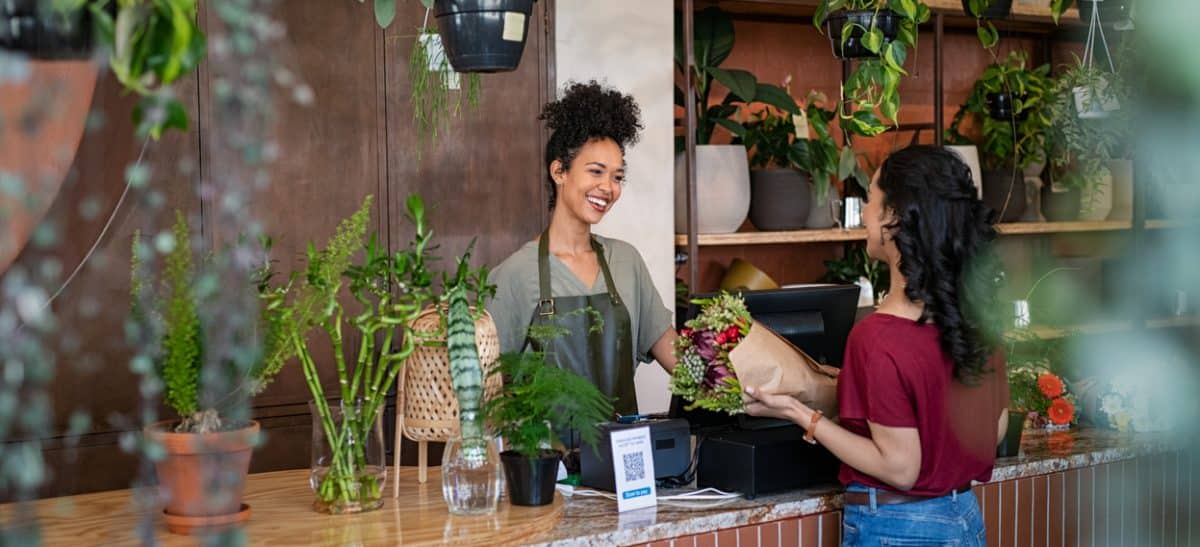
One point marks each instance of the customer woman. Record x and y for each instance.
(597, 289)
(922, 394)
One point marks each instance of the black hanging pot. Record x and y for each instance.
(37, 31)
(1110, 11)
(483, 35)
(887, 21)
(1000, 106)
(1011, 445)
(530, 480)
(997, 9)
(1004, 192)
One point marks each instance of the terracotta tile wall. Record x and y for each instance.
(1147, 501)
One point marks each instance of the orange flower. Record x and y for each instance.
(1061, 411)
(1050, 385)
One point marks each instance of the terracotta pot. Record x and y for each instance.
(779, 199)
(203, 476)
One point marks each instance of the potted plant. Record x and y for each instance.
(206, 453)
(1008, 102)
(722, 173)
(39, 30)
(479, 35)
(537, 400)
(390, 290)
(878, 33)
(791, 164)
(1081, 144)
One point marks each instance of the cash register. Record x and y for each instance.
(756, 456)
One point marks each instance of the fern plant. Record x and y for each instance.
(181, 346)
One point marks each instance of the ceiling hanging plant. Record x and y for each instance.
(877, 34)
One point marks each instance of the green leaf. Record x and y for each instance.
(906, 8)
(385, 12)
(777, 97)
(846, 163)
(988, 35)
(713, 37)
(740, 82)
(906, 34)
(873, 40)
(894, 55)
(737, 129)
(889, 108)
(923, 13)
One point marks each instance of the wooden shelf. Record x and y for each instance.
(1104, 327)
(859, 234)
(1024, 17)
(1174, 322)
(1024, 228)
(1167, 224)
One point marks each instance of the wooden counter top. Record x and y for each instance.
(281, 515)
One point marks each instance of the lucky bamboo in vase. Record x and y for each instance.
(391, 289)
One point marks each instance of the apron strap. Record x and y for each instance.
(545, 299)
(608, 280)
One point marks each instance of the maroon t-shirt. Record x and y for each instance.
(896, 374)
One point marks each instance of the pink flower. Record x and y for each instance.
(715, 376)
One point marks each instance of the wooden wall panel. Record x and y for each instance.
(352, 140)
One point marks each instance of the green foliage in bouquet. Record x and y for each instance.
(704, 375)
(539, 398)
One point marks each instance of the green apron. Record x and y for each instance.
(602, 355)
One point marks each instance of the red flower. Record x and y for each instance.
(1061, 411)
(686, 332)
(733, 333)
(720, 338)
(1050, 385)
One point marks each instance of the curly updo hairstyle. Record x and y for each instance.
(586, 112)
(944, 234)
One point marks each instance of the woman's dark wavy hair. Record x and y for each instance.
(585, 112)
(944, 234)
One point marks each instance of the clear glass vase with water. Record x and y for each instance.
(471, 476)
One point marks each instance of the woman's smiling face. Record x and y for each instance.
(591, 185)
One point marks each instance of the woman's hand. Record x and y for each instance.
(783, 407)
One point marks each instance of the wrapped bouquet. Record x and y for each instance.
(1043, 394)
(722, 349)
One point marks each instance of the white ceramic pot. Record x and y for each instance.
(1122, 190)
(722, 189)
(1096, 201)
(970, 156)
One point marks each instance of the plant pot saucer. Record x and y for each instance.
(191, 526)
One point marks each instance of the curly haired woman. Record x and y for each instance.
(922, 394)
(596, 289)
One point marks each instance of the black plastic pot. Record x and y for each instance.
(1111, 11)
(779, 199)
(530, 480)
(37, 32)
(1060, 206)
(483, 35)
(1011, 445)
(887, 21)
(998, 9)
(1004, 192)
(1000, 106)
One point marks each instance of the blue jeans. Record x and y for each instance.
(953, 519)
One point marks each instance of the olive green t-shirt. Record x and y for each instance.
(516, 281)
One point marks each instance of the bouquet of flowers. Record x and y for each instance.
(1043, 394)
(704, 374)
(723, 349)
(1134, 402)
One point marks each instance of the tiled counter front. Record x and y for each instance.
(1086, 487)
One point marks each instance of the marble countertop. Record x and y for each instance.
(595, 521)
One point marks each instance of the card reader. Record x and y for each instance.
(671, 439)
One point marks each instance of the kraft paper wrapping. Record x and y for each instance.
(767, 361)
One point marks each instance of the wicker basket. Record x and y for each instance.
(428, 409)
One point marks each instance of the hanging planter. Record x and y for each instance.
(987, 9)
(854, 46)
(1109, 12)
(40, 32)
(483, 35)
(1000, 106)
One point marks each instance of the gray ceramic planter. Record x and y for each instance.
(1004, 192)
(779, 199)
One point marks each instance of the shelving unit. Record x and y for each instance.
(834, 235)
(1045, 332)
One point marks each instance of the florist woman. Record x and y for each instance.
(597, 289)
(922, 394)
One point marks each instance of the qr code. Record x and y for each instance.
(635, 467)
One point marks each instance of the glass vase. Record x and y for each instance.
(471, 476)
(348, 463)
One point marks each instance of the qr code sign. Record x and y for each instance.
(635, 467)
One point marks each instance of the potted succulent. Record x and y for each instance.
(722, 173)
(879, 33)
(791, 165)
(1082, 144)
(479, 35)
(348, 468)
(539, 399)
(206, 453)
(1008, 102)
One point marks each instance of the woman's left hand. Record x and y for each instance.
(783, 407)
